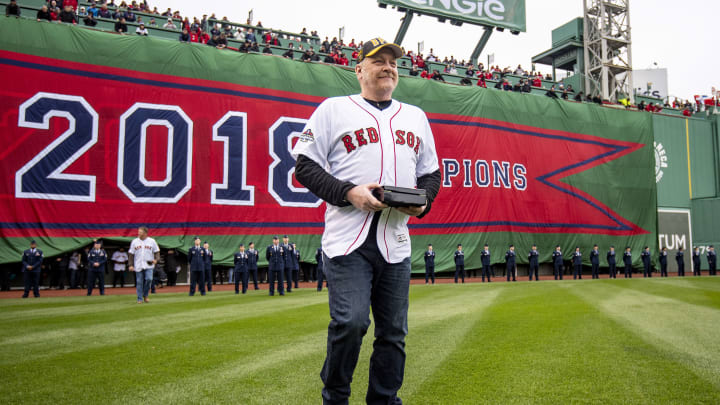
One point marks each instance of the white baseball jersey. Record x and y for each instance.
(144, 252)
(356, 142)
(121, 257)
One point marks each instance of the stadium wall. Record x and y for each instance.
(557, 172)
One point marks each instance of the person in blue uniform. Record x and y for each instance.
(533, 262)
(208, 266)
(296, 265)
(196, 262)
(275, 256)
(712, 260)
(430, 264)
(680, 260)
(510, 269)
(486, 267)
(627, 260)
(696, 262)
(97, 259)
(288, 254)
(577, 263)
(645, 257)
(240, 260)
(663, 262)
(558, 263)
(31, 264)
(319, 269)
(459, 264)
(612, 263)
(252, 264)
(595, 262)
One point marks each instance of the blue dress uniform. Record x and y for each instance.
(680, 259)
(31, 265)
(296, 265)
(486, 267)
(696, 262)
(98, 256)
(288, 254)
(252, 266)
(627, 259)
(595, 262)
(459, 265)
(558, 264)
(577, 265)
(533, 258)
(208, 268)
(645, 257)
(196, 260)
(663, 263)
(712, 261)
(429, 266)
(320, 274)
(510, 265)
(276, 265)
(241, 272)
(612, 264)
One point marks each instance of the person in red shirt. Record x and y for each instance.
(536, 82)
(420, 61)
(481, 82)
(355, 55)
(687, 113)
(194, 37)
(204, 37)
(344, 60)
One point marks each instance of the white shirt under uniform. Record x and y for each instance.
(121, 257)
(356, 142)
(144, 252)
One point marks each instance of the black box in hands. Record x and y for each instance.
(401, 196)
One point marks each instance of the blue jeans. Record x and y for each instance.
(356, 283)
(143, 280)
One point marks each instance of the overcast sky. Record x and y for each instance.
(677, 35)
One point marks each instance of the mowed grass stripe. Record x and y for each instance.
(685, 332)
(686, 292)
(96, 333)
(541, 343)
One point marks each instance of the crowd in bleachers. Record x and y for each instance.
(309, 47)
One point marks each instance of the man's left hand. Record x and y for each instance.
(412, 211)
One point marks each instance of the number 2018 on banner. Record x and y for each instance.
(43, 176)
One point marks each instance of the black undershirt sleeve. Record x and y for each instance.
(321, 183)
(431, 184)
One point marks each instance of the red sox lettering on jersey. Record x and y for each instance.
(393, 147)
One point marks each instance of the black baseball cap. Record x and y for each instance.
(374, 45)
(32, 242)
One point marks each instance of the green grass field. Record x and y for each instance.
(602, 341)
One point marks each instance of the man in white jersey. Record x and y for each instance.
(144, 254)
(120, 258)
(351, 146)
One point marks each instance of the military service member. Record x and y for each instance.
(680, 259)
(612, 263)
(31, 264)
(627, 260)
(510, 269)
(288, 254)
(534, 266)
(196, 261)
(296, 265)
(696, 262)
(430, 264)
(208, 266)
(645, 257)
(276, 266)
(459, 264)
(712, 260)
(97, 258)
(486, 267)
(577, 263)
(241, 271)
(595, 262)
(663, 262)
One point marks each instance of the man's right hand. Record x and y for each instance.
(361, 197)
(131, 268)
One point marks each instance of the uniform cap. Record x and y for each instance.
(32, 242)
(459, 244)
(241, 245)
(374, 45)
(612, 246)
(275, 237)
(285, 236)
(196, 238)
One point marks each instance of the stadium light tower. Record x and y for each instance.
(608, 49)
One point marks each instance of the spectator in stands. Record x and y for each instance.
(465, 81)
(240, 34)
(579, 97)
(43, 13)
(481, 81)
(686, 112)
(141, 30)
(343, 60)
(355, 54)
(221, 41)
(307, 55)
(525, 85)
(289, 53)
(537, 82)
(254, 47)
(214, 31)
(120, 26)
(470, 71)
(414, 71)
(152, 22)
(169, 25)
(329, 58)
(130, 16)
(227, 30)
(185, 36)
(12, 9)
(82, 12)
(266, 50)
(551, 93)
(167, 13)
(68, 15)
(641, 106)
(437, 76)
(93, 10)
(326, 43)
(90, 20)
(104, 12)
(506, 85)
(250, 36)
(520, 71)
